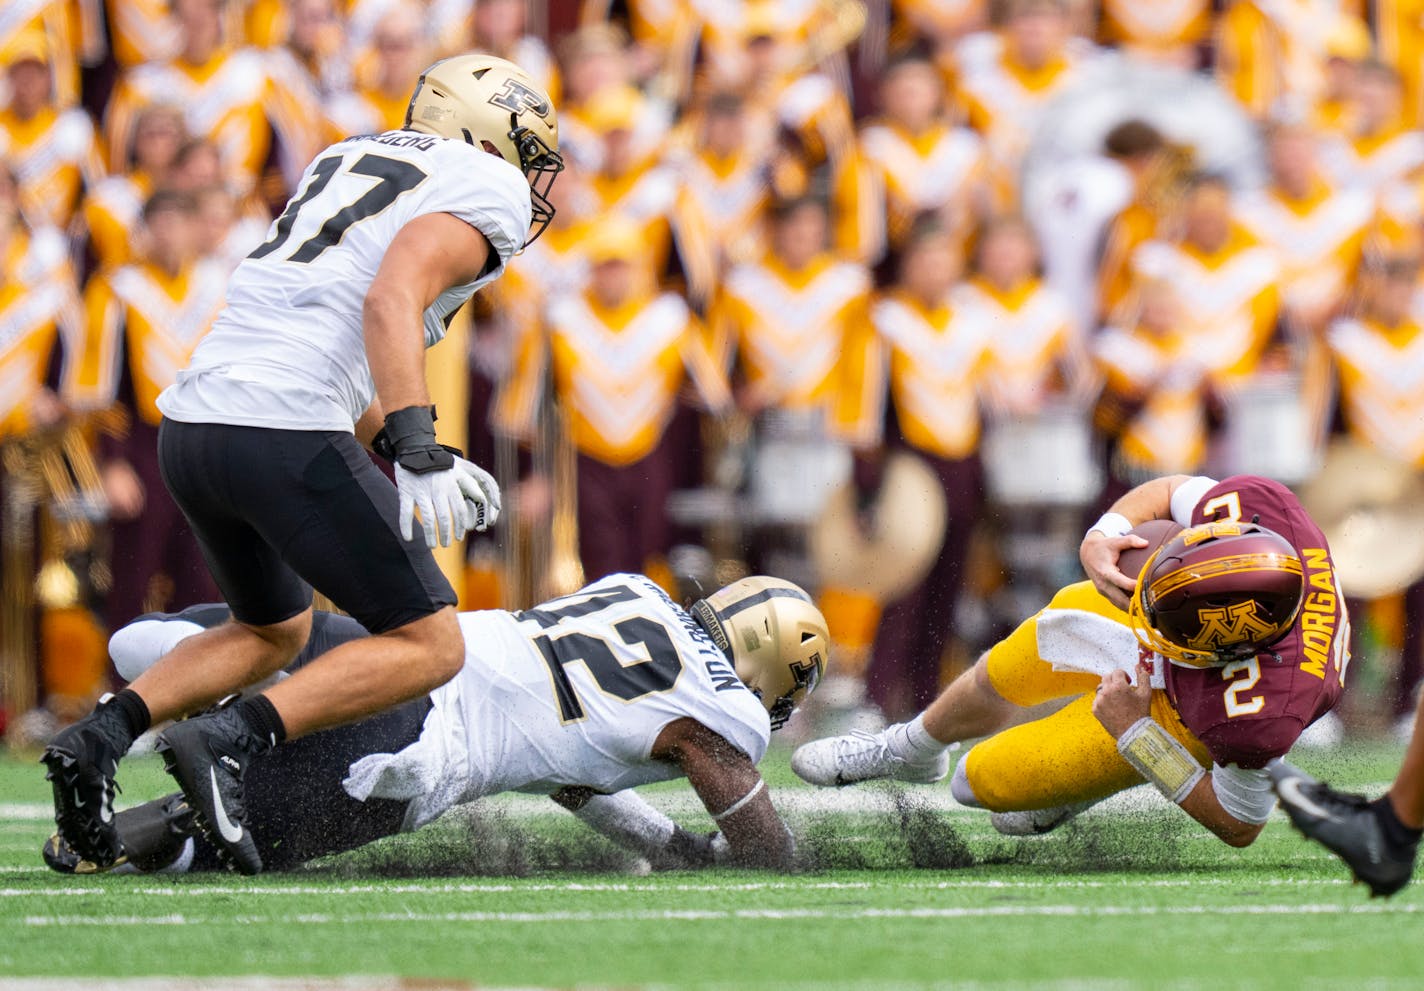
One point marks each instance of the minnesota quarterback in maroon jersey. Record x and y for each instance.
(1191, 673)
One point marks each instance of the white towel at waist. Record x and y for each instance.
(1082, 641)
(431, 773)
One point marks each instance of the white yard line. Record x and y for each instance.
(720, 915)
(574, 887)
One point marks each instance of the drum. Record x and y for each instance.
(1268, 431)
(795, 468)
(1043, 459)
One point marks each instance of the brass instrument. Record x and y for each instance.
(51, 470)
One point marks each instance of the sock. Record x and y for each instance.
(131, 710)
(912, 741)
(261, 717)
(1395, 831)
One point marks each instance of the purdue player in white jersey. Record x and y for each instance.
(321, 343)
(581, 698)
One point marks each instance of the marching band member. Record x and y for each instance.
(1164, 32)
(1225, 278)
(1005, 78)
(59, 24)
(220, 88)
(112, 209)
(939, 22)
(305, 71)
(1316, 231)
(1399, 25)
(141, 31)
(618, 354)
(785, 321)
(143, 321)
(918, 160)
(787, 317)
(1155, 392)
(1035, 353)
(1380, 360)
(379, 101)
(51, 148)
(637, 184)
(1271, 53)
(501, 28)
(37, 316)
(1377, 146)
(725, 176)
(1141, 151)
(926, 356)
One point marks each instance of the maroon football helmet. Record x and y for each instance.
(1218, 592)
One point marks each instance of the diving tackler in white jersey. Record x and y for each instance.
(580, 698)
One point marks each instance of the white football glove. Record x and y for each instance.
(440, 499)
(481, 494)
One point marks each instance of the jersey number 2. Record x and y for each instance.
(627, 682)
(392, 176)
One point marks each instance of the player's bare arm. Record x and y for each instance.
(627, 819)
(1109, 537)
(429, 255)
(1124, 709)
(733, 792)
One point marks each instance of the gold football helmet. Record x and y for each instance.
(774, 636)
(489, 102)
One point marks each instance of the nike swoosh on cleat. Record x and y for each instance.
(230, 830)
(1289, 789)
(78, 799)
(105, 813)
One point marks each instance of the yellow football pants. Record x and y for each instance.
(1063, 758)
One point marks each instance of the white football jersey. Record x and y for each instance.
(287, 351)
(572, 692)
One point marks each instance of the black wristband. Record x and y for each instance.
(408, 439)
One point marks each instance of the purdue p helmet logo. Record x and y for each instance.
(516, 97)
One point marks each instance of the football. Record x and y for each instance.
(1156, 532)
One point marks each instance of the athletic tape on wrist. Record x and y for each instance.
(1111, 524)
(1160, 758)
(740, 803)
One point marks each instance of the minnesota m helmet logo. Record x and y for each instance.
(1224, 626)
(516, 97)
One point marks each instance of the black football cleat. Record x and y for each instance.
(209, 756)
(60, 857)
(153, 835)
(1347, 825)
(82, 760)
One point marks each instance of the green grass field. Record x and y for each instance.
(903, 894)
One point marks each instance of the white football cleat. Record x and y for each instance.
(861, 756)
(1036, 822)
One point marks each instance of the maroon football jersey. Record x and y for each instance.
(1248, 712)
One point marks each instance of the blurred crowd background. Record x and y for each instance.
(890, 299)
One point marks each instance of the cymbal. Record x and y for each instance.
(906, 531)
(1371, 508)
